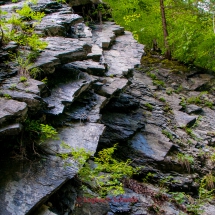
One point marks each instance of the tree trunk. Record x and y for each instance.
(165, 32)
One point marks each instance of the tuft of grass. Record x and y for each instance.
(162, 99)
(149, 106)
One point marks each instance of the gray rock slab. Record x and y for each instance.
(80, 30)
(106, 34)
(183, 119)
(77, 136)
(12, 110)
(151, 143)
(198, 82)
(85, 109)
(193, 109)
(96, 53)
(124, 55)
(94, 115)
(120, 126)
(65, 93)
(60, 51)
(25, 185)
(58, 24)
(34, 102)
(13, 129)
(111, 86)
(90, 67)
(30, 86)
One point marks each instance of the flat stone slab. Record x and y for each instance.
(65, 93)
(120, 126)
(198, 82)
(86, 108)
(183, 119)
(61, 51)
(79, 135)
(13, 129)
(193, 109)
(151, 143)
(111, 86)
(34, 102)
(24, 185)
(106, 34)
(12, 111)
(96, 53)
(58, 24)
(124, 55)
(90, 67)
(30, 86)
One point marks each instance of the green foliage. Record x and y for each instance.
(191, 28)
(162, 99)
(105, 177)
(39, 131)
(168, 134)
(19, 27)
(179, 197)
(23, 79)
(148, 106)
(159, 83)
(151, 75)
(198, 100)
(148, 177)
(185, 160)
(7, 96)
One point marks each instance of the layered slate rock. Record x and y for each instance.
(124, 55)
(12, 113)
(59, 23)
(89, 66)
(96, 53)
(183, 119)
(24, 184)
(30, 85)
(64, 93)
(29, 184)
(151, 143)
(34, 102)
(106, 34)
(61, 51)
(121, 126)
(85, 136)
(86, 108)
(112, 86)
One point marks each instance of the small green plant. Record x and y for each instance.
(48, 132)
(208, 181)
(148, 106)
(107, 174)
(162, 99)
(183, 103)
(167, 134)
(148, 177)
(151, 75)
(39, 131)
(169, 91)
(179, 89)
(185, 160)
(12, 87)
(159, 83)
(7, 96)
(23, 79)
(179, 197)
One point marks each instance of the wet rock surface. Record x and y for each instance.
(155, 116)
